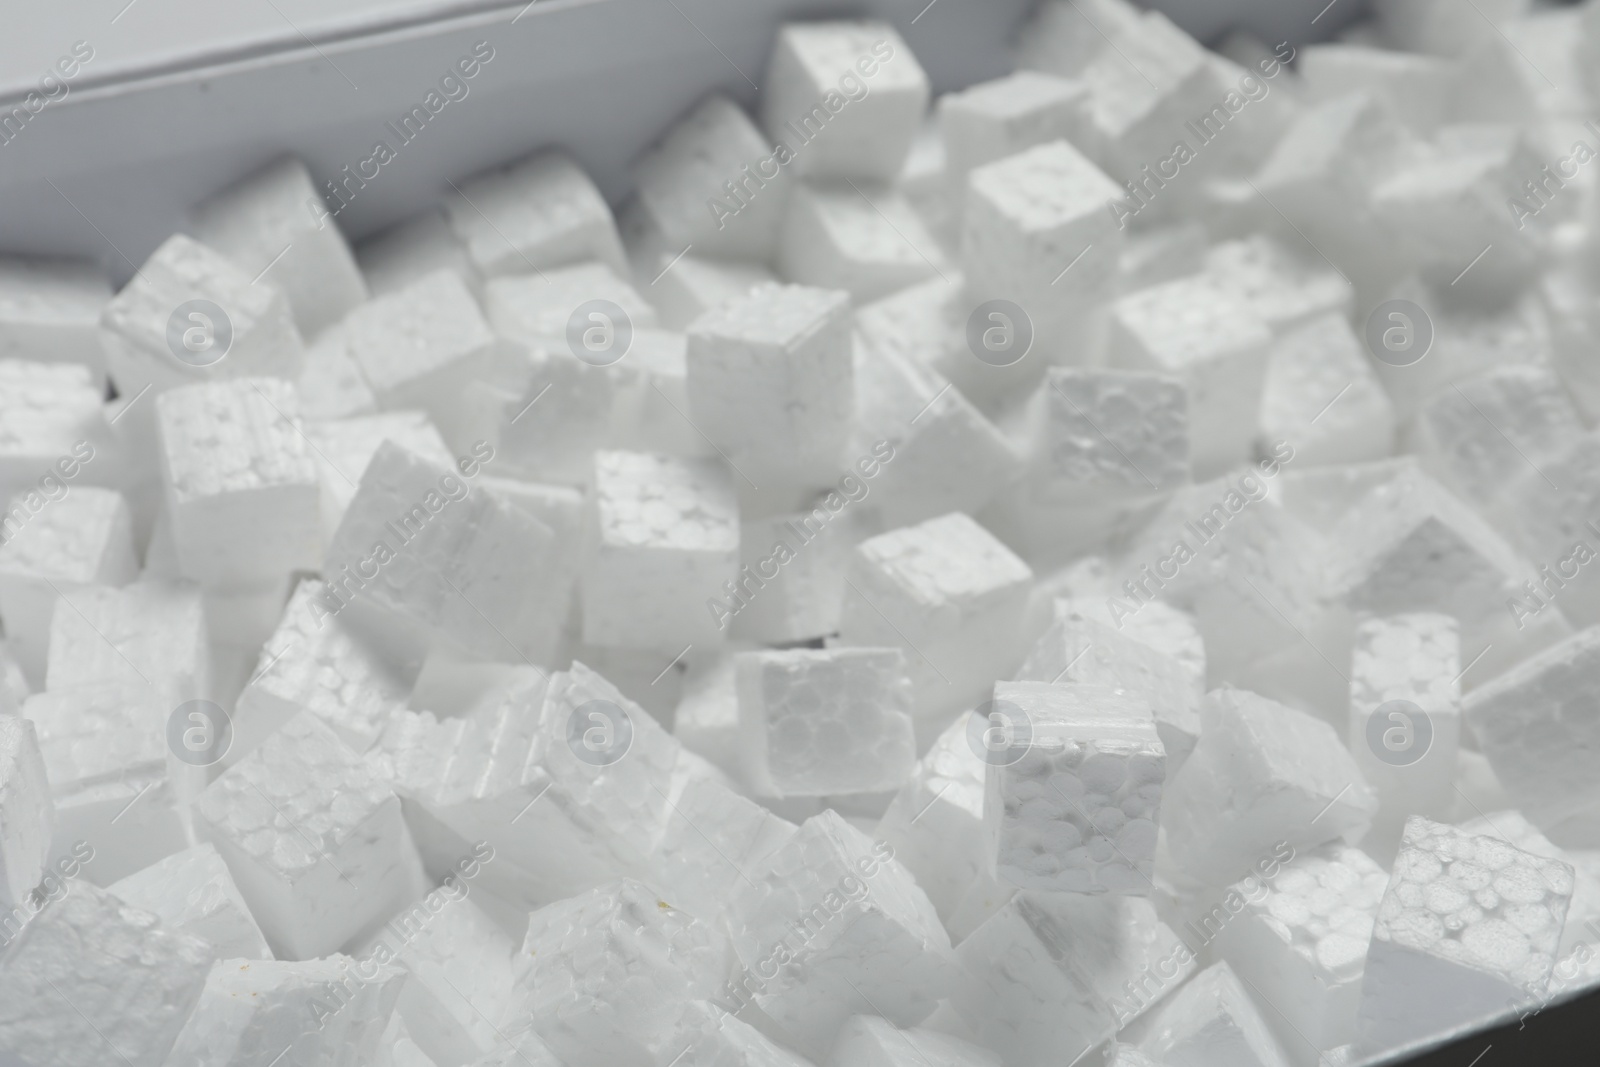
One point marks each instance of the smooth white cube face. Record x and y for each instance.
(343, 449)
(53, 430)
(540, 212)
(331, 384)
(313, 837)
(999, 118)
(1408, 756)
(1215, 345)
(771, 382)
(409, 250)
(1321, 394)
(818, 722)
(193, 892)
(151, 634)
(695, 284)
(1055, 974)
(273, 225)
(620, 945)
(866, 240)
(241, 485)
(792, 573)
(1301, 938)
(664, 538)
(1110, 434)
(90, 956)
(1078, 811)
(50, 311)
(25, 810)
(85, 538)
(847, 98)
(952, 595)
(1213, 1022)
(713, 182)
(537, 309)
(868, 1041)
(1418, 87)
(459, 964)
(847, 930)
(421, 541)
(1156, 625)
(163, 329)
(549, 416)
(1468, 925)
(1261, 773)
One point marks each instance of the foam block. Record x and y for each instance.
(539, 212)
(54, 432)
(815, 722)
(459, 972)
(193, 893)
(536, 309)
(1157, 625)
(1284, 288)
(999, 118)
(411, 249)
(50, 311)
(148, 633)
(800, 601)
(331, 384)
(1213, 1022)
(343, 448)
(1108, 434)
(866, 240)
(273, 225)
(1320, 393)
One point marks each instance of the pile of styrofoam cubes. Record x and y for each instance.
(1100, 567)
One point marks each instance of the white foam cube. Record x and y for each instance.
(25, 814)
(149, 633)
(1416, 86)
(548, 415)
(706, 720)
(1468, 925)
(1157, 625)
(1037, 978)
(663, 537)
(862, 936)
(1284, 288)
(950, 594)
(138, 324)
(1261, 773)
(52, 431)
(421, 541)
(85, 538)
(267, 225)
(539, 212)
(770, 381)
(1078, 811)
(820, 721)
(685, 290)
(50, 311)
(89, 956)
(459, 971)
(314, 839)
(1110, 434)
(1301, 940)
(1213, 1022)
(713, 182)
(241, 482)
(1212, 343)
(846, 97)
(193, 893)
(791, 578)
(868, 1041)
(999, 118)
(1063, 37)
(410, 249)
(866, 240)
(331, 383)
(537, 309)
(343, 448)
(1321, 394)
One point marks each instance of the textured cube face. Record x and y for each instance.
(665, 538)
(49, 310)
(418, 346)
(103, 632)
(1112, 433)
(535, 309)
(45, 410)
(1000, 118)
(194, 893)
(1079, 810)
(1305, 372)
(540, 212)
(770, 381)
(1282, 289)
(25, 811)
(829, 721)
(865, 240)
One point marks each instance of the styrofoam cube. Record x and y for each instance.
(866, 240)
(618, 946)
(706, 720)
(684, 290)
(331, 383)
(412, 248)
(860, 935)
(263, 224)
(140, 324)
(1513, 827)
(1407, 759)
(1064, 36)
(26, 814)
(820, 721)
(1548, 511)
(332, 1010)
(1079, 810)
(950, 594)
(419, 345)
(1261, 773)
(421, 541)
(313, 837)
(91, 957)
(1284, 288)
(1213, 1022)
(539, 212)
(791, 578)
(1082, 650)
(343, 449)
(709, 1036)
(50, 311)
(1216, 345)
(1468, 925)
(194, 893)
(868, 1041)
(663, 539)
(1416, 86)
(241, 483)
(847, 98)
(1049, 976)
(149, 633)
(1301, 940)
(547, 415)
(53, 431)
(713, 182)
(1157, 625)
(536, 309)
(999, 118)
(85, 538)
(1109, 434)
(460, 972)
(770, 381)
(1321, 394)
